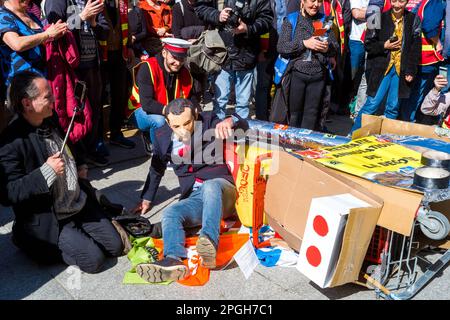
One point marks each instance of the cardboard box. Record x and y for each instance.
(400, 206)
(378, 125)
(287, 203)
(322, 239)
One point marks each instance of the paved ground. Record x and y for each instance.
(21, 278)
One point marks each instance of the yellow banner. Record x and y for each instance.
(368, 158)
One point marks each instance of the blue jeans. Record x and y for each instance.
(389, 85)
(144, 121)
(243, 82)
(423, 83)
(357, 56)
(203, 208)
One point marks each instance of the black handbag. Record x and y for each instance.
(138, 226)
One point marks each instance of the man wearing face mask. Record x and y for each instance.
(157, 81)
(207, 187)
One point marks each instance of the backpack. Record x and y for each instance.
(282, 63)
(207, 53)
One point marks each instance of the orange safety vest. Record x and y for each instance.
(183, 85)
(337, 13)
(334, 9)
(327, 7)
(123, 17)
(429, 53)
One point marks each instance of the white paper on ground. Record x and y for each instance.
(247, 259)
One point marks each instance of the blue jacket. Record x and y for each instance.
(432, 18)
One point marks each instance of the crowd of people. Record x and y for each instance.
(346, 57)
(295, 61)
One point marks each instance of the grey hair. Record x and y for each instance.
(22, 86)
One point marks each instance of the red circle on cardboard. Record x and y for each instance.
(313, 256)
(320, 226)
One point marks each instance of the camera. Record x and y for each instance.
(80, 91)
(236, 14)
(443, 72)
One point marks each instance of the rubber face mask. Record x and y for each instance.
(182, 125)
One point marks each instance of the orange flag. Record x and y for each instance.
(229, 244)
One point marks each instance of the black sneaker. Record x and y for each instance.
(167, 269)
(207, 251)
(97, 160)
(123, 142)
(147, 143)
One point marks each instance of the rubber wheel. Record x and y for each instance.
(440, 226)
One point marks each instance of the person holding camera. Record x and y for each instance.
(437, 103)
(310, 57)
(393, 54)
(240, 24)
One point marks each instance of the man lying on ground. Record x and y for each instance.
(208, 193)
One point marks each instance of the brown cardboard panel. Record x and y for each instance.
(443, 207)
(400, 206)
(294, 241)
(409, 129)
(357, 236)
(289, 192)
(376, 125)
(287, 203)
(355, 188)
(370, 126)
(280, 206)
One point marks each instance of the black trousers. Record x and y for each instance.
(88, 238)
(115, 73)
(93, 81)
(85, 240)
(305, 99)
(5, 115)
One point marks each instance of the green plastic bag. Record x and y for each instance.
(137, 255)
